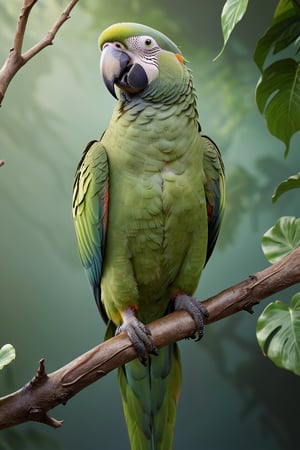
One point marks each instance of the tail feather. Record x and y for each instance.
(149, 397)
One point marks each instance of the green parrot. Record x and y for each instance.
(147, 205)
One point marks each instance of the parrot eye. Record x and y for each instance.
(143, 44)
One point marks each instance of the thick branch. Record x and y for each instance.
(16, 59)
(44, 392)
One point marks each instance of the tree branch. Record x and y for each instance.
(21, 26)
(15, 59)
(44, 392)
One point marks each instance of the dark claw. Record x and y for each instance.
(154, 351)
(138, 334)
(196, 309)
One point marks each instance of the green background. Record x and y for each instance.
(232, 397)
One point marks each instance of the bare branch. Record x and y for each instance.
(44, 392)
(49, 38)
(15, 59)
(21, 26)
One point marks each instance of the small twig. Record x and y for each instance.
(40, 375)
(15, 59)
(49, 38)
(21, 26)
(44, 392)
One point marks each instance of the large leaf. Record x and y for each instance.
(292, 182)
(7, 354)
(233, 11)
(281, 239)
(283, 31)
(278, 98)
(278, 333)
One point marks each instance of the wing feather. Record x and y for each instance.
(90, 213)
(214, 191)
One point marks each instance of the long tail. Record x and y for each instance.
(149, 397)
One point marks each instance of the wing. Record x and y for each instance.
(90, 213)
(214, 191)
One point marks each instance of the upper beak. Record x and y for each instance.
(112, 65)
(118, 68)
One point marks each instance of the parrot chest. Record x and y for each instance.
(156, 202)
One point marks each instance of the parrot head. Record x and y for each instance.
(134, 56)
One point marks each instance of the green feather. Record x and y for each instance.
(165, 184)
(149, 397)
(89, 213)
(121, 31)
(214, 191)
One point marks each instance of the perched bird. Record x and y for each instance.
(147, 206)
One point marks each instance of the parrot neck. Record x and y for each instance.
(174, 88)
(161, 96)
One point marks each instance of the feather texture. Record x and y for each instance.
(148, 203)
(90, 213)
(150, 395)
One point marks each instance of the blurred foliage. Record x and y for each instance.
(130, 11)
(241, 200)
(31, 439)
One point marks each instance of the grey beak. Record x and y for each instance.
(112, 65)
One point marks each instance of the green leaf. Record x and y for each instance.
(281, 239)
(283, 31)
(278, 98)
(296, 4)
(278, 91)
(292, 182)
(278, 333)
(233, 11)
(7, 354)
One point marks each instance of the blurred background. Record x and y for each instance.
(232, 397)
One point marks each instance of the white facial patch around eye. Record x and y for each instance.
(144, 50)
(145, 45)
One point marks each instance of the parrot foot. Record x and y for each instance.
(196, 309)
(138, 334)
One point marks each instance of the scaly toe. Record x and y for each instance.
(196, 309)
(139, 336)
